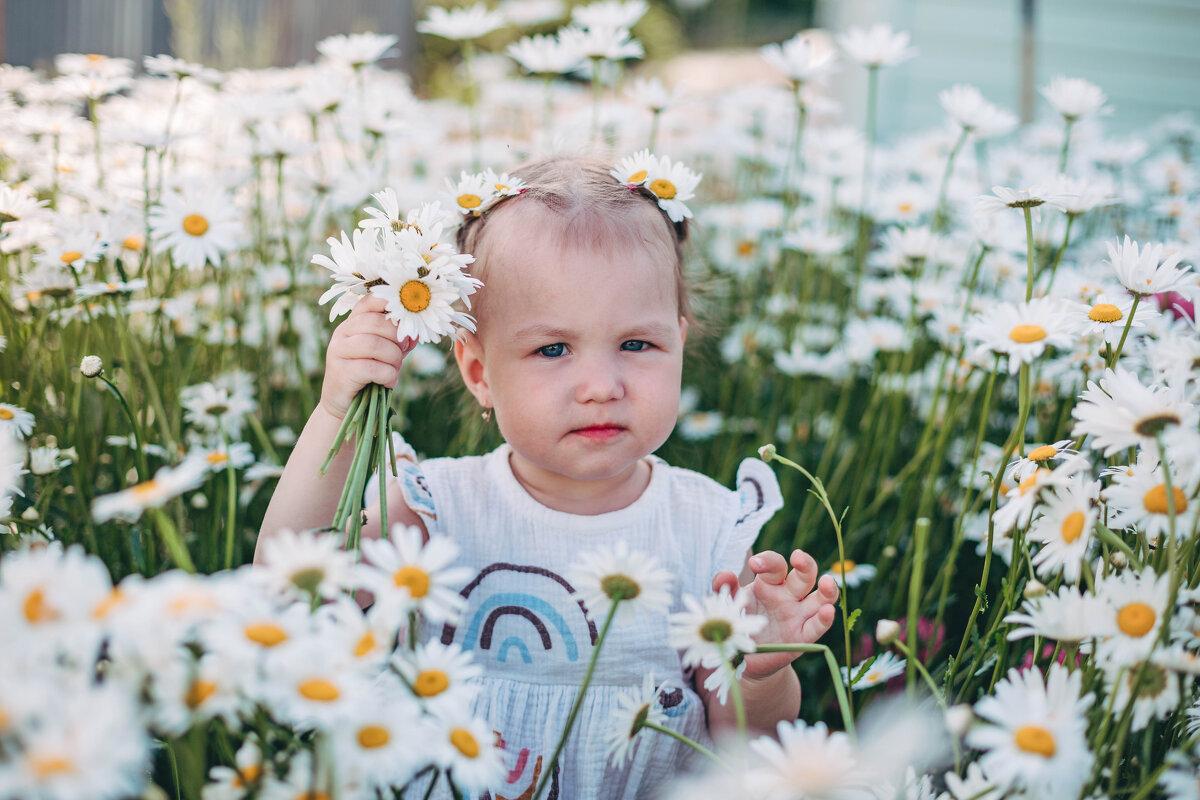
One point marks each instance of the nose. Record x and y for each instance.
(599, 380)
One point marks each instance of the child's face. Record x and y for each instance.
(580, 353)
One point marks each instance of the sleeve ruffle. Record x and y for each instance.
(758, 498)
(414, 487)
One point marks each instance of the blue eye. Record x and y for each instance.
(635, 346)
(552, 350)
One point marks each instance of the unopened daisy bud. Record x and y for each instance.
(1034, 588)
(767, 452)
(91, 366)
(30, 514)
(887, 631)
(889, 551)
(959, 719)
(1118, 560)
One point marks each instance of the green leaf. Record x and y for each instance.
(866, 665)
(982, 595)
(854, 615)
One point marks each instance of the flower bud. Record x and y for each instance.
(91, 366)
(887, 631)
(1118, 559)
(30, 514)
(767, 452)
(889, 551)
(959, 719)
(1034, 588)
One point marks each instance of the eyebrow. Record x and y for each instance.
(540, 331)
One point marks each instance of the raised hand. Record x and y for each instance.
(798, 607)
(362, 350)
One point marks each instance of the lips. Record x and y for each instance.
(599, 432)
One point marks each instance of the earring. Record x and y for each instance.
(487, 415)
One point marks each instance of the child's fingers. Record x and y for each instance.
(801, 579)
(726, 579)
(376, 324)
(818, 624)
(769, 566)
(376, 348)
(366, 305)
(826, 594)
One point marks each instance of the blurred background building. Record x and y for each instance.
(1142, 54)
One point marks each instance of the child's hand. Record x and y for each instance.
(362, 350)
(796, 612)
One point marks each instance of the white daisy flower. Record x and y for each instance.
(471, 193)
(189, 692)
(877, 46)
(807, 56)
(634, 581)
(1120, 412)
(167, 483)
(1020, 331)
(420, 300)
(634, 708)
(1154, 687)
(1074, 98)
(1179, 782)
(672, 184)
(651, 93)
(1068, 615)
(439, 676)
(851, 573)
(312, 686)
(884, 666)
(463, 23)
(609, 13)
(1138, 498)
(545, 55)
(465, 746)
(47, 460)
(177, 68)
(219, 407)
(306, 564)
(601, 43)
(633, 170)
(1035, 735)
(1146, 271)
(197, 224)
(1038, 457)
(110, 288)
(1003, 197)
(504, 184)
(379, 745)
(356, 50)
(1136, 605)
(713, 630)
(15, 422)
(700, 425)
(72, 245)
(967, 107)
(1108, 316)
(411, 576)
(231, 783)
(1065, 529)
(807, 761)
(354, 263)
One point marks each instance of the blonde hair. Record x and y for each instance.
(593, 209)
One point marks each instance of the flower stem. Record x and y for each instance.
(170, 536)
(1028, 253)
(920, 541)
(735, 691)
(839, 683)
(912, 660)
(699, 748)
(940, 218)
(1137, 298)
(587, 679)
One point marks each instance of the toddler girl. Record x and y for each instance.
(578, 357)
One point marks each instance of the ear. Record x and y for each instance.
(683, 329)
(468, 352)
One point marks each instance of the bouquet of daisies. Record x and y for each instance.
(408, 262)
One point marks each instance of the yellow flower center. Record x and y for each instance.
(48, 766)
(372, 736)
(462, 739)
(1155, 500)
(1027, 334)
(320, 690)
(1043, 453)
(469, 200)
(745, 247)
(70, 255)
(1136, 619)
(216, 458)
(198, 692)
(1032, 481)
(637, 177)
(33, 296)
(1035, 739)
(905, 208)
(366, 644)
(500, 187)
(36, 610)
(102, 609)
(663, 188)
(267, 634)
(246, 775)
(431, 682)
(145, 489)
(132, 243)
(415, 296)
(1104, 312)
(1072, 526)
(415, 579)
(842, 567)
(6, 414)
(195, 224)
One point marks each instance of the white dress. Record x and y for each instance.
(533, 638)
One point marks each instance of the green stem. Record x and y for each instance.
(912, 659)
(1137, 298)
(1028, 253)
(940, 218)
(587, 679)
(839, 683)
(172, 540)
(1062, 156)
(699, 748)
(920, 540)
